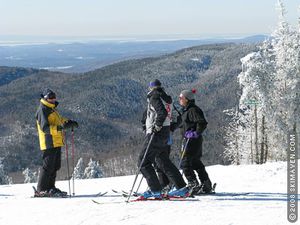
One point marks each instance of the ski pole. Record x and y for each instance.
(73, 161)
(140, 166)
(176, 110)
(183, 153)
(67, 159)
(139, 184)
(183, 150)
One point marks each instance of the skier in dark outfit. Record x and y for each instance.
(192, 124)
(158, 119)
(162, 177)
(50, 127)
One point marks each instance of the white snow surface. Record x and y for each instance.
(265, 201)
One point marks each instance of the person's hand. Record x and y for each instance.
(74, 124)
(60, 128)
(191, 134)
(156, 128)
(70, 124)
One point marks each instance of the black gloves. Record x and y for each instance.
(70, 124)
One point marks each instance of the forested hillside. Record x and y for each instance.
(108, 104)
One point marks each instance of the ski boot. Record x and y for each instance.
(151, 195)
(195, 186)
(41, 194)
(55, 192)
(205, 188)
(180, 193)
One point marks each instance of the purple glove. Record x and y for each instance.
(191, 134)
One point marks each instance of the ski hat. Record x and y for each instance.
(155, 83)
(189, 94)
(48, 94)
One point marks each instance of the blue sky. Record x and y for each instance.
(113, 18)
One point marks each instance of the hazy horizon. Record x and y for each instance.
(140, 18)
(6, 39)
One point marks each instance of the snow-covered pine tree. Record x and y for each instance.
(79, 170)
(93, 170)
(4, 178)
(30, 176)
(269, 103)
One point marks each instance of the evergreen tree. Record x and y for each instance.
(30, 176)
(4, 178)
(79, 170)
(93, 170)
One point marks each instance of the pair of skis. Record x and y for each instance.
(140, 198)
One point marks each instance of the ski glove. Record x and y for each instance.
(156, 128)
(191, 134)
(70, 124)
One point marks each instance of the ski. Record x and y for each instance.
(125, 193)
(227, 194)
(145, 200)
(182, 199)
(100, 194)
(115, 191)
(112, 202)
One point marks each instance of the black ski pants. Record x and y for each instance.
(162, 177)
(191, 161)
(157, 154)
(51, 164)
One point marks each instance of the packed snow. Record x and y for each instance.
(248, 194)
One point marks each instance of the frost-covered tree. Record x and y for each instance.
(93, 170)
(270, 100)
(79, 170)
(30, 176)
(232, 150)
(4, 178)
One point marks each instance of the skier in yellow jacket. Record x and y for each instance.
(50, 127)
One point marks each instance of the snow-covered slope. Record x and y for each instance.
(252, 194)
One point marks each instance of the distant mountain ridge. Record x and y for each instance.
(83, 56)
(109, 102)
(8, 74)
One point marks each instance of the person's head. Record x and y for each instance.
(187, 96)
(154, 84)
(49, 95)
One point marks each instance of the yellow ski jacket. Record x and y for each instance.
(49, 125)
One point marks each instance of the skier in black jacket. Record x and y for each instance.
(162, 177)
(157, 122)
(192, 123)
